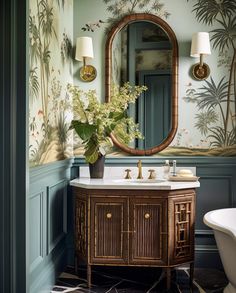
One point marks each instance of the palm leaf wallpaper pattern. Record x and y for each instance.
(212, 102)
(50, 66)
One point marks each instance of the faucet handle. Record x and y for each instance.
(152, 174)
(127, 176)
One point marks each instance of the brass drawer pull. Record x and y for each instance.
(109, 215)
(147, 216)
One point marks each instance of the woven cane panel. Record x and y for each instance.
(108, 230)
(182, 229)
(80, 227)
(147, 227)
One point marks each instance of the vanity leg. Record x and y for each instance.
(76, 265)
(168, 278)
(89, 275)
(191, 275)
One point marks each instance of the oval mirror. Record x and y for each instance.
(142, 49)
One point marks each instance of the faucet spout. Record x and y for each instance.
(140, 176)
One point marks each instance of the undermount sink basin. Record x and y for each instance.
(139, 181)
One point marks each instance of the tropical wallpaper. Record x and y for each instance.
(207, 109)
(50, 69)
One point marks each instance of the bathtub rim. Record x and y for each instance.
(207, 219)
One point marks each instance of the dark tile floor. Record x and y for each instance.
(140, 280)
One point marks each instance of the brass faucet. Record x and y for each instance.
(140, 176)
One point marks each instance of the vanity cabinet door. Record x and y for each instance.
(109, 228)
(181, 221)
(148, 221)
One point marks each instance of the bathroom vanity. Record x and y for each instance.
(134, 223)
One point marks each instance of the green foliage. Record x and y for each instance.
(190, 95)
(212, 95)
(119, 9)
(46, 20)
(208, 10)
(66, 48)
(221, 137)
(62, 129)
(94, 121)
(33, 83)
(41, 33)
(47, 130)
(204, 119)
(222, 12)
(84, 130)
(224, 37)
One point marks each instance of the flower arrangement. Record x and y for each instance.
(94, 121)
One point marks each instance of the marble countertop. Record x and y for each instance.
(116, 183)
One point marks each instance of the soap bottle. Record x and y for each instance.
(166, 169)
(174, 168)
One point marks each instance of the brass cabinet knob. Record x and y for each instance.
(147, 216)
(108, 215)
(127, 174)
(152, 174)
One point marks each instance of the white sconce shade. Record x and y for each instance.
(200, 44)
(84, 48)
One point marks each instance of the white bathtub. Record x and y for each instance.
(223, 222)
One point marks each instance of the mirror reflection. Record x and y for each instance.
(142, 53)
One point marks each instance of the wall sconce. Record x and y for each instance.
(200, 46)
(84, 51)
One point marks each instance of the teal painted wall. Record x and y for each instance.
(48, 224)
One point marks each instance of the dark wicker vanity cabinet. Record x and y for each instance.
(134, 228)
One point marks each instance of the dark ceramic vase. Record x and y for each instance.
(96, 169)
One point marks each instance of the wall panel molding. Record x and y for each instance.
(48, 182)
(37, 240)
(159, 160)
(56, 194)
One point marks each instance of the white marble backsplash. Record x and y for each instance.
(119, 172)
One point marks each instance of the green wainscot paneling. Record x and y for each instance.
(48, 224)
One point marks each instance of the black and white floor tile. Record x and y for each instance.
(139, 280)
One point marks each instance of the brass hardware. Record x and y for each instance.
(152, 174)
(108, 215)
(140, 176)
(88, 73)
(200, 72)
(127, 174)
(147, 216)
(127, 231)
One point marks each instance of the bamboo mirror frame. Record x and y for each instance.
(128, 19)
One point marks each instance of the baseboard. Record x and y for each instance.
(48, 276)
